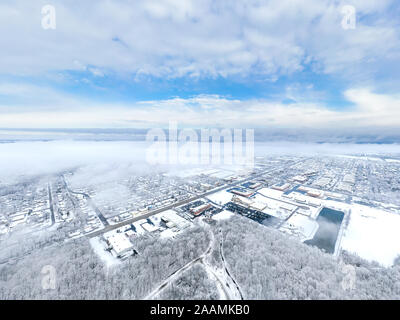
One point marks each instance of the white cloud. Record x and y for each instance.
(54, 156)
(198, 38)
(47, 108)
(171, 38)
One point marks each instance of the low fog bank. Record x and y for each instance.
(40, 158)
(370, 135)
(29, 158)
(299, 148)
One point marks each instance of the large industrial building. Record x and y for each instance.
(120, 245)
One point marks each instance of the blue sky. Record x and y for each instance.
(111, 87)
(125, 63)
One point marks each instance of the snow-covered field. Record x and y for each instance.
(300, 226)
(105, 256)
(373, 234)
(221, 197)
(225, 214)
(271, 192)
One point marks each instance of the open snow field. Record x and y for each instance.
(271, 193)
(223, 215)
(220, 197)
(99, 248)
(301, 226)
(373, 234)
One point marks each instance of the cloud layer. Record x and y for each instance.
(127, 41)
(172, 38)
(51, 109)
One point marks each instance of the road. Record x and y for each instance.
(91, 203)
(51, 205)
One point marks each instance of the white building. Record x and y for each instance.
(120, 244)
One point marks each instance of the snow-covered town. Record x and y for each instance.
(356, 197)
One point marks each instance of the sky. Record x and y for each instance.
(201, 63)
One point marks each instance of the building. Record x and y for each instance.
(196, 211)
(283, 187)
(170, 219)
(300, 179)
(255, 185)
(243, 193)
(120, 244)
(149, 227)
(243, 201)
(314, 193)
